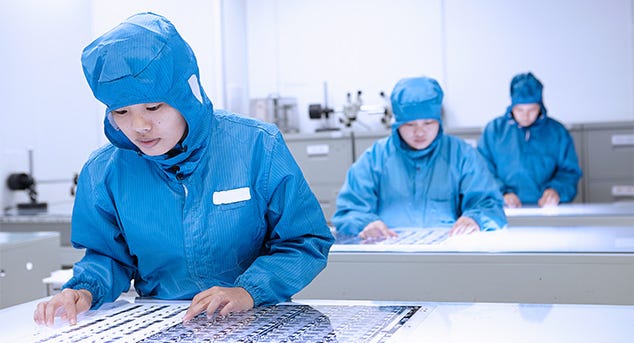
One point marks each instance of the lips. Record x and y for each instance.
(147, 143)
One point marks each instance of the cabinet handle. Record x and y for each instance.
(318, 150)
(622, 140)
(623, 191)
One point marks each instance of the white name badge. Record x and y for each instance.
(232, 195)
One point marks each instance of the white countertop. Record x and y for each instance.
(441, 322)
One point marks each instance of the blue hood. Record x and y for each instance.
(416, 98)
(526, 89)
(413, 99)
(145, 60)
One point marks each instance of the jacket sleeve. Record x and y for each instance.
(357, 201)
(107, 267)
(481, 199)
(486, 148)
(568, 172)
(298, 238)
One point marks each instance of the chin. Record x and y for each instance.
(153, 152)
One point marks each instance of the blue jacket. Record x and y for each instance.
(432, 187)
(528, 160)
(228, 206)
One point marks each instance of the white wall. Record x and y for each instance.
(46, 105)
(296, 46)
(234, 56)
(580, 49)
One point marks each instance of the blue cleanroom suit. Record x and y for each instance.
(228, 206)
(432, 187)
(528, 160)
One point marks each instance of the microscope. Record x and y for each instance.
(349, 113)
(26, 182)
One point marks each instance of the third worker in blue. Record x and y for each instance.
(418, 176)
(532, 155)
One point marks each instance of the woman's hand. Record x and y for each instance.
(511, 200)
(464, 226)
(550, 197)
(222, 299)
(376, 230)
(67, 304)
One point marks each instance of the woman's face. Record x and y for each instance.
(419, 134)
(155, 128)
(526, 114)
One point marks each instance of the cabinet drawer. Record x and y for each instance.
(322, 160)
(610, 154)
(610, 190)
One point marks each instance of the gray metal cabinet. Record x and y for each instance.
(59, 223)
(576, 131)
(26, 259)
(324, 158)
(469, 135)
(609, 161)
(364, 140)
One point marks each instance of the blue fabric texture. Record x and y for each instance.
(156, 219)
(526, 89)
(428, 188)
(528, 160)
(405, 187)
(416, 98)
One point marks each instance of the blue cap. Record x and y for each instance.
(145, 60)
(416, 98)
(526, 89)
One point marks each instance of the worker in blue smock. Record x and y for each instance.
(418, 176)
(188, 202)
(531, 154)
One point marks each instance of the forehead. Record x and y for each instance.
(421, 122)
(527, 107)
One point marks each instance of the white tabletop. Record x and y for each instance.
(441, 322)
(624, 208)
(521, 239)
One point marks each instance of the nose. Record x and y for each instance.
(419, 130)
(140, 123)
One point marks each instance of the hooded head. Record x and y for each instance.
(416, 98)
(526, 89)
(145, 60)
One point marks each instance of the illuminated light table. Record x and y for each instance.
(548, 265)
(587, 214)
(333, 321)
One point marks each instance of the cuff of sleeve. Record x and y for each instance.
(255, 292)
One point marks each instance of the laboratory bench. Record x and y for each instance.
(332, 321)
(524, 264)
(57, 219)
(573, 214)
(25, 259)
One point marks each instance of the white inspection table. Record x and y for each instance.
(573, 214)
(340, 321)
(551, 265)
